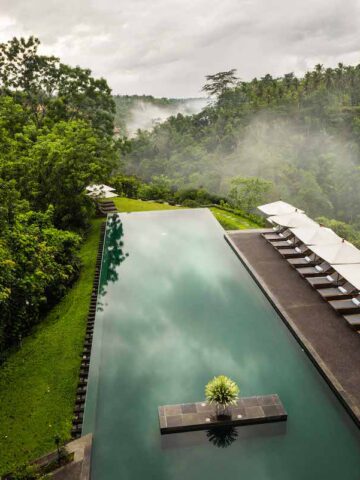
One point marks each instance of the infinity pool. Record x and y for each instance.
(175, 308)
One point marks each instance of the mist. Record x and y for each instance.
(311, 168)
(145, 115)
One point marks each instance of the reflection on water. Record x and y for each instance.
(224, 436)
(114, 254)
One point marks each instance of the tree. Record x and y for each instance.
(51, 91)
(219, 82)
(248, 193)
(62, 163)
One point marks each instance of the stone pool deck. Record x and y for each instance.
(332, 346)
(202, 416)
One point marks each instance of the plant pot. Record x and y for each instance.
(222, 411)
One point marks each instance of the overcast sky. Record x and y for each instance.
(166, 47)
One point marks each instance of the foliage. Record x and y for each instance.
(38, 382)
(301, 134)
(222, 390)
(248, 193)
(232, 221)
(218, 83)
(343, 229)
(51, 91)
(56, 137)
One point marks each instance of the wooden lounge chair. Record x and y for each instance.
(323, 269)
(351, 305)
(296, 252)
(324, 281)
(309, 261)
(340, 292)
(353, 321)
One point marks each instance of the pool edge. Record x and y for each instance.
(344, 398)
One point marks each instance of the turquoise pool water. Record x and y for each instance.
(176, 307)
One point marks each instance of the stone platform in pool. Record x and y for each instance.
(202, 416)
(330, 343)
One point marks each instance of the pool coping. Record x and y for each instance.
(81, 391)
(345, 399)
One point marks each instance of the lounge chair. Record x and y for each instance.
(298, 262)
(353, 321)
(324, 281)
(296, 252)
(286, 244)
(323, 269)
(282, 237)
(277, 234)
(351, 305)
(340, 292)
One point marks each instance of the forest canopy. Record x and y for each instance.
(56, 136)
(300, 134)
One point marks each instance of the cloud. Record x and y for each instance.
(166, 47)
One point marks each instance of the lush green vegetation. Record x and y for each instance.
(299, 136)
(222, 391)
(38, 381)
(232, 221)
(56, 136)
(124, 204)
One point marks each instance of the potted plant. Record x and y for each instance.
(223, 392)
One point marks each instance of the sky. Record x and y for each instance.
(166, 47)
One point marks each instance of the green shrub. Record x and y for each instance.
(222, 391)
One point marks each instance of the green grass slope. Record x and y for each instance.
(38, 382)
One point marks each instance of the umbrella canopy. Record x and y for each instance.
(99, 188)
(292, 220)
(351, 273)
(102, 194)
(278, 208)
(338, 253)
(316, 235)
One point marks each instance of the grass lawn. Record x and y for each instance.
(38, 382)
(131, 205)
(231, 221)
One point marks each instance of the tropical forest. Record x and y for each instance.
(237, 145)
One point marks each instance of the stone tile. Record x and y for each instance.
(161, 411)
(191, 419)
(254, 412)
(271, 410)
(204, 407)
(266, 400)
(236, 411)
(174, 421)
(173, 410)
(250, 401)
(162, 421)
(188, 408)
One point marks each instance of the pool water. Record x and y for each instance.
(175, 308)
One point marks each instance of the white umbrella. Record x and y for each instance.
(338, 253)
(102, 194)
(350, 272)
(316, 235)
(292, 220)
(278, 208)
(100, 187)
